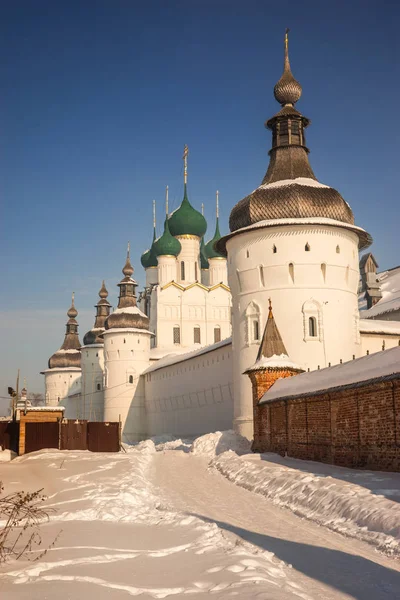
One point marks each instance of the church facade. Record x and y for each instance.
(174, 359)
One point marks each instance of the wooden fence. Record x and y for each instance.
(62, 434)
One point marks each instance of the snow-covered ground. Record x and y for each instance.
(161, 521)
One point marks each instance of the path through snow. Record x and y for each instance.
(164, 524)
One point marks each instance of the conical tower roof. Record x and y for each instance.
(272, 353)
(290, 189)
(103, 308)
(127, 315)
(69, 354)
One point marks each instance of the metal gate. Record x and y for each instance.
(41, 435)
(74, 435)
(103, 437)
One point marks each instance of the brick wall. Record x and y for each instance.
(352, 427)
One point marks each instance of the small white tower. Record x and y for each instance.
(293, 238)
(63, 375)
(126, 356)
(92, 363)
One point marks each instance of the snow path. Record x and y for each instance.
(163, 525)
(328, 565)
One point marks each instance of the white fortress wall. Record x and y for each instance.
(60, 383)
(92, 389)
(190, 394)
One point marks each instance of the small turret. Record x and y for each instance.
(69, 354)
(103, 308)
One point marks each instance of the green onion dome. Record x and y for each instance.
(166, 244)
(149, 258)
(186, 220)
(203, 259)
(210, 251)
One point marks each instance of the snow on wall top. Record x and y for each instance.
(390, 301)
(365, 368)
(171, 360)
(45, 409)
(281, 361)
(376, 326)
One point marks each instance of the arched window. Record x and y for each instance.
(274, 249)
(177, 334)
(312, 321)
(312, 327)
(182, 271)
(323, 271)
(130, 378)
(217, 334)
(291, 272)
(253, 327)
(338, 249)
(307, 247)
(196, 335)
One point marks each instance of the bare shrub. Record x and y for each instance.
(21, 514)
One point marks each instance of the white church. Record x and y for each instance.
(172, 359)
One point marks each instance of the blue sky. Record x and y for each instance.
(98, 99)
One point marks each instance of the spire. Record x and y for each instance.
(185, 155)
(202, 208)
(127, 285)
(154, 215)
(103, 308)
(128, 269)
(68, 355)
(271, 343)
(166, 201)
(209, 249)
(72, 312)
(287, 90)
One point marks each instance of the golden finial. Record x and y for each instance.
(217, 204)
(270, 315)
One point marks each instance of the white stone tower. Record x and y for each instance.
(126, 356)
(92, 363)
(293, 239)
(62, 378)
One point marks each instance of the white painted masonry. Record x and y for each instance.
(60, 383)
(92, 383)
(310, 271)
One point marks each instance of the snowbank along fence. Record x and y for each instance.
(354, 426)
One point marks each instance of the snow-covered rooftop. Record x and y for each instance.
(377, 326)
(390, 287)
(373, 366)
(45, 409)
(173, 359)
(298, 180)
(275, 362)
(126, 330)
(131, 310)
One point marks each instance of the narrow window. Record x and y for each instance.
(247, 254)
(307, 247)
(195, 272)
(274, 249)
(256, 331)
(196, 335)
(130, 378)
(337, 249)
(98, 387)
(291, 272)
(182, 271)
(323, 271)
(217, 334)
(312, 327)
(261, 271)
(124, 341)
(177, 335)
